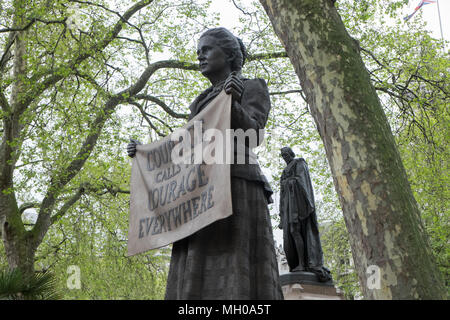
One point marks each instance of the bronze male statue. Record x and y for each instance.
(298, 218)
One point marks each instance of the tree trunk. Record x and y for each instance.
(19, 243)
(380, 211)
(20, 248)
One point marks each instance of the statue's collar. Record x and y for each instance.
(209, 93)
(219, 84)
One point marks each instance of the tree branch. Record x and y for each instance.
(144, 115)
(164, 106)
(151, 69)
(270, 55)
(4, 102)
(7, 53)
(28, 205)
(240, 9)
(30, 23)
(284, 92)
(69, 203)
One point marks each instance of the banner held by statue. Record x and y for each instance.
(181, 183)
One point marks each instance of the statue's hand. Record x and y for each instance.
(234, 86)
(131, 147)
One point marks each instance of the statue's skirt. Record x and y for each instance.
(233, 258)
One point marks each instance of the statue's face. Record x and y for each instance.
(211, 57)
(287, 156)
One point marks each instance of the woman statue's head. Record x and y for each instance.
(218, 48)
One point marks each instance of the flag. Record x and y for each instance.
(420, 5)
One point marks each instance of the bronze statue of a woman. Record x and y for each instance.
(233, 258)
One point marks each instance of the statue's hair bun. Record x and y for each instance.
(243, 50)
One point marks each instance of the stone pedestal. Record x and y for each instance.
(306, 286)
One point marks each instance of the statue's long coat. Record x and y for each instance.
(233, 258)
(298, 215)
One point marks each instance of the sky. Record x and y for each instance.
(229, 15)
